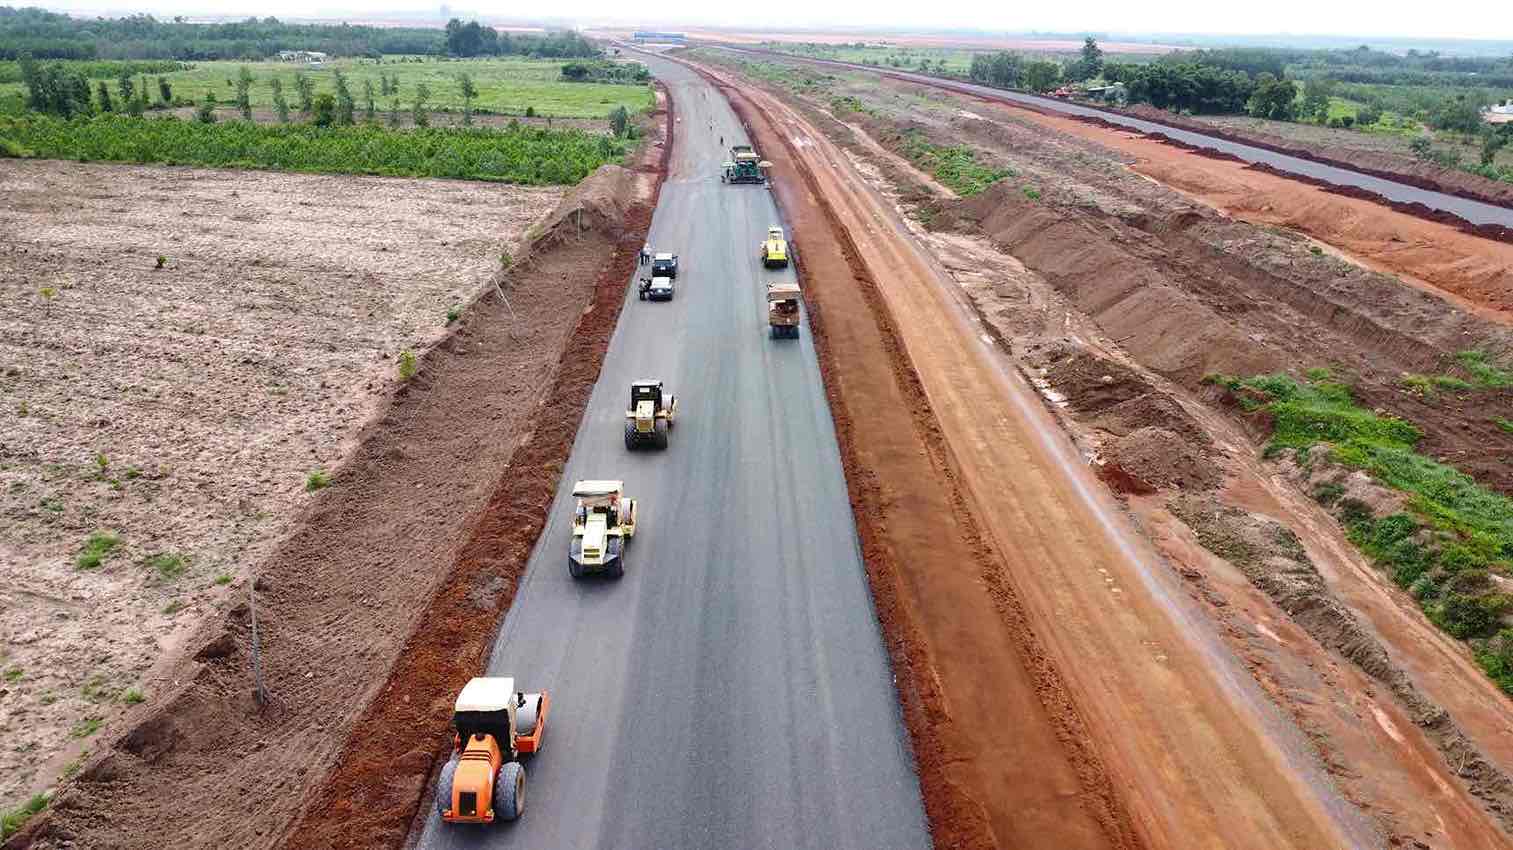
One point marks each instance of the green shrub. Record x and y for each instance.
(168, 565)
(12, 821)
(86, 727)
(96, 549)
(1486, 374)
(1495, 656)
(454, 313)
(317, 480)
(407, 365)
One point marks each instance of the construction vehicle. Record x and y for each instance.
(744, 166)
(495, 725)
(651, 415)
(604, 521)
(774, 249)
(783, 310)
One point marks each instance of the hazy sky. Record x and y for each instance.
(1481, 19)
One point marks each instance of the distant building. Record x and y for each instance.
(659, 38)
(307, 57)
(1502, 113)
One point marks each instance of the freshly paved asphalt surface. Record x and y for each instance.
(1475, 212)
(732, 690)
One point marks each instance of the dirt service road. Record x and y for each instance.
(732, 689)
(1200, 757)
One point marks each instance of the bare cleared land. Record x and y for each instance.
(180, 350)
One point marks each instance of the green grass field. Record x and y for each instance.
(506, 86)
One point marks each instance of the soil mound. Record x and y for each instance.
(1155, 458)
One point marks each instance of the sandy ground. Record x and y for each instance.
(1114, 323)
(181, 408)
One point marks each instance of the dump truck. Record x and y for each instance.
(494, 725)
(604, 521)
(651, 415)
(744, 166)
(774, 249)
(783, 310)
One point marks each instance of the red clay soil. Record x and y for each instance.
(383, 772)
(336, 603)
(987, 783)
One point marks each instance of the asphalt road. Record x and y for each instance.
(732, 690)
(1475, 212)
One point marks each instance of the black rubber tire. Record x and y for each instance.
(444, 784)
(616, 568)
(574, 568)
(630, 436)
(661, 433)
(509, 791)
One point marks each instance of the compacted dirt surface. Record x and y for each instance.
(1113, 296)
(337, 276)
(179, 409)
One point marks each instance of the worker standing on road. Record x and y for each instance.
(645, 253)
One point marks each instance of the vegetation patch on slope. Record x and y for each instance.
(1452, 544)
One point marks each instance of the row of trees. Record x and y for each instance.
(47, 35)
(1200, 89)
(1011, 71)
(57, 89)
(474, 39)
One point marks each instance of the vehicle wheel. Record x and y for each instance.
(444, 784)
(630, 436)
(661, 432)
(509, 791)
(616, 569)
(574, 568)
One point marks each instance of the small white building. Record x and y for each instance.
(307, 57)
